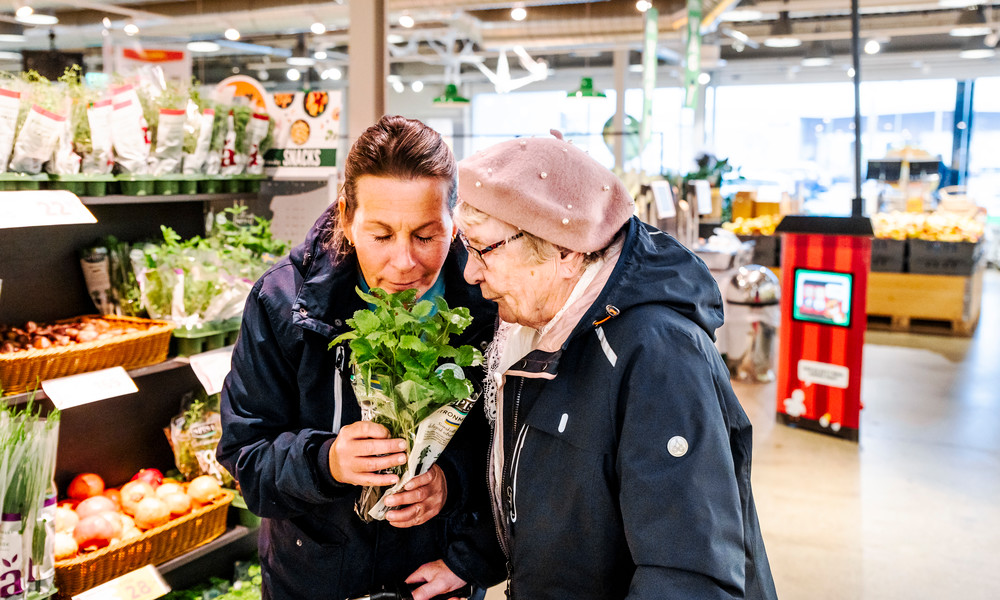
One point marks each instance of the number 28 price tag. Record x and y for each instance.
(141, 584)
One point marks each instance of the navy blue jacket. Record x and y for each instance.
(627, 455)
(282, 404)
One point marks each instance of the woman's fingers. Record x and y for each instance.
(421, 500)
(361, 450)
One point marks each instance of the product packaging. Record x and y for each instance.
(257, 130)
(169, 142)
(199, 143)
(101, 158)
(10, 104)
(129, 132)
(36, 140)
(194, 435)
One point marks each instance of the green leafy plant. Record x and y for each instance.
(397, 350)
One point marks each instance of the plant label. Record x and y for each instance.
(212, 367)
(44, 207)
(75, 390)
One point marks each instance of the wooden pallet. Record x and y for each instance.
(909, 325)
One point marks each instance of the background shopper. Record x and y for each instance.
(292, 433)
(621, 462)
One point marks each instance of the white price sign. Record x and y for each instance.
(141, 584)
(810, 371)
(45, 207)
(212, 367)
(703, 192)
(663, 194)
(67, 392)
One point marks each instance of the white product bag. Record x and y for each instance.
(101, 159)
(37, 140)
(10, 103)
(256, 132)
(169, 142)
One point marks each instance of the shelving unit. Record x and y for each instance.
(116, 437)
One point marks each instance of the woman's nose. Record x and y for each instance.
(473, 270)
(403, 256)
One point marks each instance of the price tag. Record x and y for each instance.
(141, 584)
(212, 367)
(67, 392)
(663, 195)
(703, 192)
(42, 207)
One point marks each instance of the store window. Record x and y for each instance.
(984, 161)
(799, 138)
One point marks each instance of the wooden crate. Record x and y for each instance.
(917, 303)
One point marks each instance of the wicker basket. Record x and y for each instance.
(153, 547)
(19, 371)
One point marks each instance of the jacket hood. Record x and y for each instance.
(654, 268)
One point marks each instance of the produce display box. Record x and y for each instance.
(137, 185)
(234, 184)
(21, 370)
(202, 338)
(210, 184)
(766, 249)
(153, 547)
(82, 184)
(888, 256)
(944, 258)
(21, 181)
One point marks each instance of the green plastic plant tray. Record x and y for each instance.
(233, 185)
(22, 181)
(191, 184)
(167, 185)
(202, 338)
(210, 184)
(137, 185)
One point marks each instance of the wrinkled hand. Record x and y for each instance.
(419, 501)
(437, 579)
(361, 450)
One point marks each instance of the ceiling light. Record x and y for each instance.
(319, 55)
(131, 29)
(958, 3)
(586, 90)
(332, 73)
(417, 86)
(850, 73)
(398, 86)
(317, 28)
(781, 34)
(818, 54)
(977, 48)
(704, 78)
(450, 97)
(34, 17)
(10, 56)
(300, 57)
(232, 34)
(406, 21)
(971, 23)
(202, 46)
(872, 47)
(643, 5)
(11, 32)
(23, 11)
(636, 68)
(263, 75)
(106, 22)
(518, 13)
(293, 75)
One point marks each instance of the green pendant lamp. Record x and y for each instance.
(450, 97)
(586, 90)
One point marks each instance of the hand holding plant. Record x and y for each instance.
(409, 379)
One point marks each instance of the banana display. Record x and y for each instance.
(935, 227)
(764, 225)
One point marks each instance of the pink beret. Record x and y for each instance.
(549, 188)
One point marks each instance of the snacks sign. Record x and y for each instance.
(307, 129)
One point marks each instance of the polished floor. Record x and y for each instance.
(911, 511)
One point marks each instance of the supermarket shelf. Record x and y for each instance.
(168, 365)
(155, 199)
(214, 559)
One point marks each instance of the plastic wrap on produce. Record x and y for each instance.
(10, 104)
(169, 142)
(256, 132)
(65, 161)
(195, 162)
(129, 132)
(101, 159)
(36, 141)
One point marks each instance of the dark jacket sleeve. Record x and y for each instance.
(278, 464)
(681, 508)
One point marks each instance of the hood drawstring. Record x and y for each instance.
(612, 311)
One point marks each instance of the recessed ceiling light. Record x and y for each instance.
(319, 55)
(518, 13)
(332, 73)
(872, 47)
(293, 75)
(131, 29)
(395, 38)
(232, 34)
(35, 17)
(10, 55)
(106, 22)
(317, 28)
(263, 75)
(417, 86)
(406, 21)
(202, 46)
(704, 78)
(643, 5)
(23, 11)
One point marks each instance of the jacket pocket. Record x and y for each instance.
(286, 550)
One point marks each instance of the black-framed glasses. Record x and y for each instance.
(481, 252)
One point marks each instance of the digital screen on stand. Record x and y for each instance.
(822, 297)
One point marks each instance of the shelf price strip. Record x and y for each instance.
(74, 390)
(142, 584)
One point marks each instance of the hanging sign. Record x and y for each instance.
(692, 54)
(212, 367)
(75, 390)
(306, 132)
(174, 61)
(42, 207)
(142, 584)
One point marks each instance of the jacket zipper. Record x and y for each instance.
(510, 494)
(338, 393)
(515, 461)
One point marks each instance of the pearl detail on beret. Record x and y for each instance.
(543, 174)
(607, 187)
(523, 143)
(479, 184)
(565, 149)
(565, 221)
(489, 171)
(569, 206)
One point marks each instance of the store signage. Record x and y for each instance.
(45, 207)
(173, 61)
(76, 390)
(810, 372)
(703, 194)
(305, 157)
(142, 584)
(306, 133)
(212, 367)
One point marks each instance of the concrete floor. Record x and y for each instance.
(912, 511)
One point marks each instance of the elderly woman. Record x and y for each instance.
(620, 463)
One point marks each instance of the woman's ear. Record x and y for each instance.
(570, 264)
(342, 217)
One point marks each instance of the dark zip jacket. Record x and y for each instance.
(283, 403)
(627, 455)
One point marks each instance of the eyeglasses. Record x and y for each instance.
(480, 253)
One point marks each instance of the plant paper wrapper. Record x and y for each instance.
(429, 441)
(10, 104)
(195, 163)
(129, 132)
(101, 159)
(256, 132)
(64, 160)
(232, 162)
(37, 140)
(169, 142)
